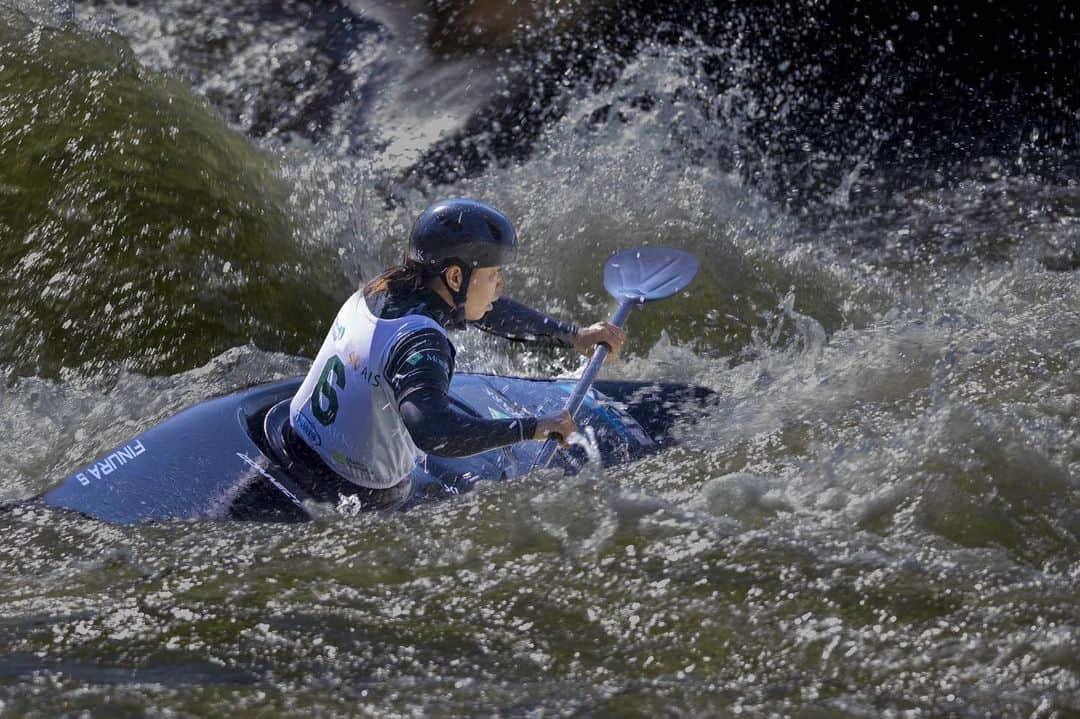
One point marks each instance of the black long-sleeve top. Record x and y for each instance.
(421, 366)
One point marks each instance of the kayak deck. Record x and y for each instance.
(213, 460)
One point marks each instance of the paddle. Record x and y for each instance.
(633, 277)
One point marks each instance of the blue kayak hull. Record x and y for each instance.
(213, 460)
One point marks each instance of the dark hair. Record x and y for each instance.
(407, 277)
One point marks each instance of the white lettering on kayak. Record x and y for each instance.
(258, 468)
(113, 461)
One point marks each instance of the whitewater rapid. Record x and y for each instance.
(879, 516)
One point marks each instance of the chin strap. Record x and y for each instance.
(457, 318)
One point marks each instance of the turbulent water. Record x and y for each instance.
(879, 516)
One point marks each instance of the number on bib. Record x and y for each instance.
(323, 390)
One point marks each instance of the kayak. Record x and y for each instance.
(222, 459)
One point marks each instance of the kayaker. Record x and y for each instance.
(377, 393)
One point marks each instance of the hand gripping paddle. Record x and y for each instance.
(633, 277)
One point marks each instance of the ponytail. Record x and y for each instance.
(407, 277)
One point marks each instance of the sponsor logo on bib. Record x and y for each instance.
(307, 429)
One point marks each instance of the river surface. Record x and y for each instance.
(878, 517)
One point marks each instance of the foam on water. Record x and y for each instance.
(879, 516)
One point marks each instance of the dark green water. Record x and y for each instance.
(138, 229)
(881, 516)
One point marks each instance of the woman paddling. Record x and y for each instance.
(377, 394)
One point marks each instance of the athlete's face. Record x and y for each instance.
(484, 288)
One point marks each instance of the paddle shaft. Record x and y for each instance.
(573, 404)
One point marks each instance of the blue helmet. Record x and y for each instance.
(462, 231)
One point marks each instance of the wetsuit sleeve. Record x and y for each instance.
(420, 360)
(419, 372)
(510, 319)
(439, 428)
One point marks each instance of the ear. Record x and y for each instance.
(452, 277)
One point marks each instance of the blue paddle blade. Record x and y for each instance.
(648, 273)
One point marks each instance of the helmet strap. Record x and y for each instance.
(457, 318)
